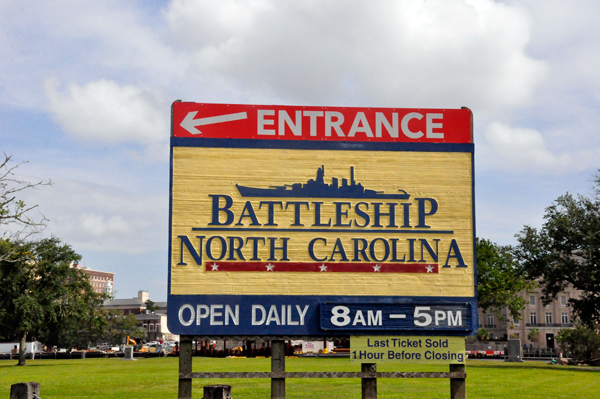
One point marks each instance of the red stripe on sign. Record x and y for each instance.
(322, 267)
(283, 122)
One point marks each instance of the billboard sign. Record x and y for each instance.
(321, 221)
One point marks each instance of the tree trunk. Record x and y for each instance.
(22, 349)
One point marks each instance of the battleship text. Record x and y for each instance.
(361, 215)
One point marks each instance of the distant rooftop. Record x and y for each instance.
(128, 301)
(76, 266)
(140, 301)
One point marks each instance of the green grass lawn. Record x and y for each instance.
(157, 378)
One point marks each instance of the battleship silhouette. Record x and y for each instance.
(319, 189)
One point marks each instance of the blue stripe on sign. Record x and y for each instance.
(222, 315)
(310, 230)
(320, 145)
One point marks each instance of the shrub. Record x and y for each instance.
(581, 343)
(483, 334)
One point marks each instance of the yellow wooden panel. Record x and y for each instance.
(444, 176)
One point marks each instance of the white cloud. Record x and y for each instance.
(98, 225)
(516, 148)
(401, 53)
(395, 53)
(97, 217)
(104, 111)
(566, 35)
(82, 41)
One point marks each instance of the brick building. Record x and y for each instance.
(100, 281)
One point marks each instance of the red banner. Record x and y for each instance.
(277, 122)
(321, 267)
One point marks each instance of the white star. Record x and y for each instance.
(323, 267)
(270, 267)
(215, 266)
(377, 268)
(429, 269)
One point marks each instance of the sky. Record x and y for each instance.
(86, 89)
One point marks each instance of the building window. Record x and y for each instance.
(564, 318)
(490, 320)
(145, 326)
(563, 301)
(533, 318)
(516, 321)
(150, 327)
(532, 299)
(158, 327)
(548, 318)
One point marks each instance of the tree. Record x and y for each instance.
(41, 295)
(499, 280)
(565, 252)
(483, 334)
(582, 343)
(81, 328)
(16, 219)
(534, 335)
(122, 326)
(151, 306)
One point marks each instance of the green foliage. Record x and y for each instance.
(499, 280)
(483, 334)
(534, 335)
(120, 327)
(151, 305)
(42, 297)
(566, 252)
(581, 343)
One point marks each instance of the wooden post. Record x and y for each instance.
(278, 365)
(369, 385)
(185, 366)
(458, 386)
(25, 390)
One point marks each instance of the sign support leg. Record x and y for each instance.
(278, 365)
(369, 385)
(185, 366)
(458, 386)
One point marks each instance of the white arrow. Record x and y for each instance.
(189, 123)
